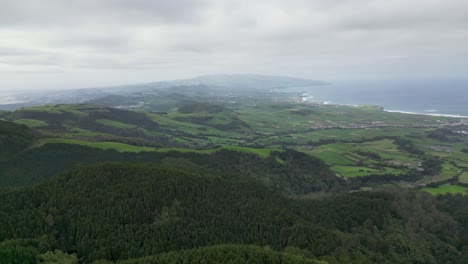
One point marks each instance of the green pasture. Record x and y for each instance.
(449, 171)
(332, 157)
(345, 153)
(259, 151)
(121, 147)
(354, 171)
(446, 188)
(46, 109)
(113, 123)
(31, 122)
(58, 109)
(463, 178)
(85, 134)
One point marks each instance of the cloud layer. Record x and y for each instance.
(69, 44)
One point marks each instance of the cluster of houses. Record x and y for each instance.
(441, 148)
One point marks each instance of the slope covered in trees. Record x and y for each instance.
(234, 254)
(289, 172)
(14, 138)
(120, 211)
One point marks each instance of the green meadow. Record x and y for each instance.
(446, 188)
(463, 178)
(121, 147)
(31, 122)
(113, 123)
(346, 138)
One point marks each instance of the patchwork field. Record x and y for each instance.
(31, 122)
(445, 188)
(463, 178)
(353, 141)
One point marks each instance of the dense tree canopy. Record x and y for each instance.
(13, 138)
(297, 173)
(122, 211)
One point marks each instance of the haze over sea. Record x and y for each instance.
(425, 97)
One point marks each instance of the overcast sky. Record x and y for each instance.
(59, 44)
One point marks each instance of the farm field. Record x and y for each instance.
(355, 142)
(355, 171)
(121, 147)
(463, 178)
(445, 188)
(31, 122)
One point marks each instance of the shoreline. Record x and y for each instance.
(388, 111)
(426, 114)
(305, 97)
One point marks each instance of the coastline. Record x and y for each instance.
(426, 114)
(306, 98)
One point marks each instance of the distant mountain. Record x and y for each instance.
(246, 81)
(201, 85)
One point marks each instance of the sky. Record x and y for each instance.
(64, 44)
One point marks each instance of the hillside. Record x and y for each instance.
(118, 211)
(363, 145)
(93, 123)
(233, 254)
(14, 138)
(288, 172)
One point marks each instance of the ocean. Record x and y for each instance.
(8, 98)
(424, 97)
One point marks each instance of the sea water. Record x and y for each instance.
(9, 97)
(424, 97)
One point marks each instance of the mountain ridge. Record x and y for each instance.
(217, 81)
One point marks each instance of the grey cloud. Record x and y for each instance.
(331, 39)
(33, 13)
(451, 14)
(36, 60)
(15, 52)
(94, 41)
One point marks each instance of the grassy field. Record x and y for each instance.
(355, 171)
(345, 156)
(31, 122)
(46, 109)
(260, 152)
(84, 135)
(449, 171)
(353, 150)
(332, 157)
(463, 178)
(386, 149)
(446, 188)
(121, 147)
(113, 123)
(59, 109)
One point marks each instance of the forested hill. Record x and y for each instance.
(120, 211)
(289, 172)
(232, 254)
(14, 138)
